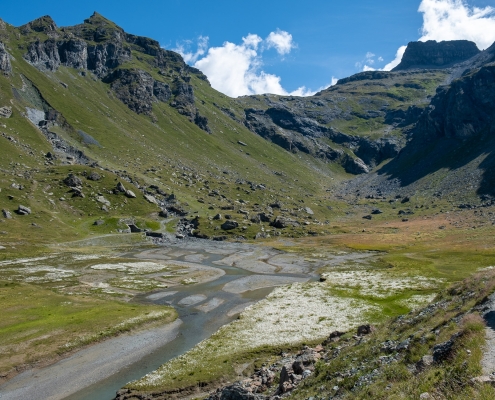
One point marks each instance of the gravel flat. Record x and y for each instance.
(87, 366)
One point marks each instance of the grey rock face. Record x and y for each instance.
(433, 54)
(464, 108)
(43, 55)
(134, 88)
(5, 65)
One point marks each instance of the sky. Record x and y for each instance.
(279, 46)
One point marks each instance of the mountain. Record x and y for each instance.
(91, 98)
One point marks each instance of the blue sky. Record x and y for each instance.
(311, 42)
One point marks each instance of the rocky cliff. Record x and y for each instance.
(5, 65)
(433, 54)
(103, 49)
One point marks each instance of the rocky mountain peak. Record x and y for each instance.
(433, 54)
(43, 24)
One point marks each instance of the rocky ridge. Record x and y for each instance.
(102, 48)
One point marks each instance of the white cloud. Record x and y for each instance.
(397, 59)
(456, 20)
(236, 69)
(190, 57)
(453, 20)
(368, 68)
(281, 41)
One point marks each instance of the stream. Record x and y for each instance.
(250, 273)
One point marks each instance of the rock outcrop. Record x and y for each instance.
(101, 47)
(433, 54)
(5, 65)
(463, 109)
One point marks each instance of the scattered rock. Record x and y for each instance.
(443, 351)
(150, 199)
(120, 187)
(129, 193)
(229, 225)
(5, 112)
(93, 176)
(241, 143)
(104, 201)
(365, 329)
(217, 217)
(309, 211)
(367, 217)
(23, 210)
(6, 214)
(376, 211)
(73, 181)
(98, 222)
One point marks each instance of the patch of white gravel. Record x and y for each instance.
(39, 274)
(297, 313)
(378, 284)
(142, 267)
(84, 257)
(26, 261)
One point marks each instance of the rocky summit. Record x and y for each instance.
(433, 54)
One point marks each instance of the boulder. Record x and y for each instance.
(73, 181)
(309, 210)
(150, 199)
(98, 222)
(6, 214)
(229, 225)
(5, 112)
(93, 176)
(365, 329)
(104, 201)
(23, 210)
(120, 187)
(129, 193)
(217, 217)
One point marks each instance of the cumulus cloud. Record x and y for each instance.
(281, 41)
(236, 69)
(398, 58)
(453, 20)
(456, 20)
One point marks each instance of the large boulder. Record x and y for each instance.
(229, 225)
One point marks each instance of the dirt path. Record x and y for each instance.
(488, 361)
(87, 366)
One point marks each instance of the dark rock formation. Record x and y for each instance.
(5, 65)
(433, 54)
(463, 109)
(134, 88)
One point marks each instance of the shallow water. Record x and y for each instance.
(213, 309)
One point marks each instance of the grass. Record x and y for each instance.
(448, 379)
(39, 325)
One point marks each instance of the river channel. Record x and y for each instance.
(246, 274)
